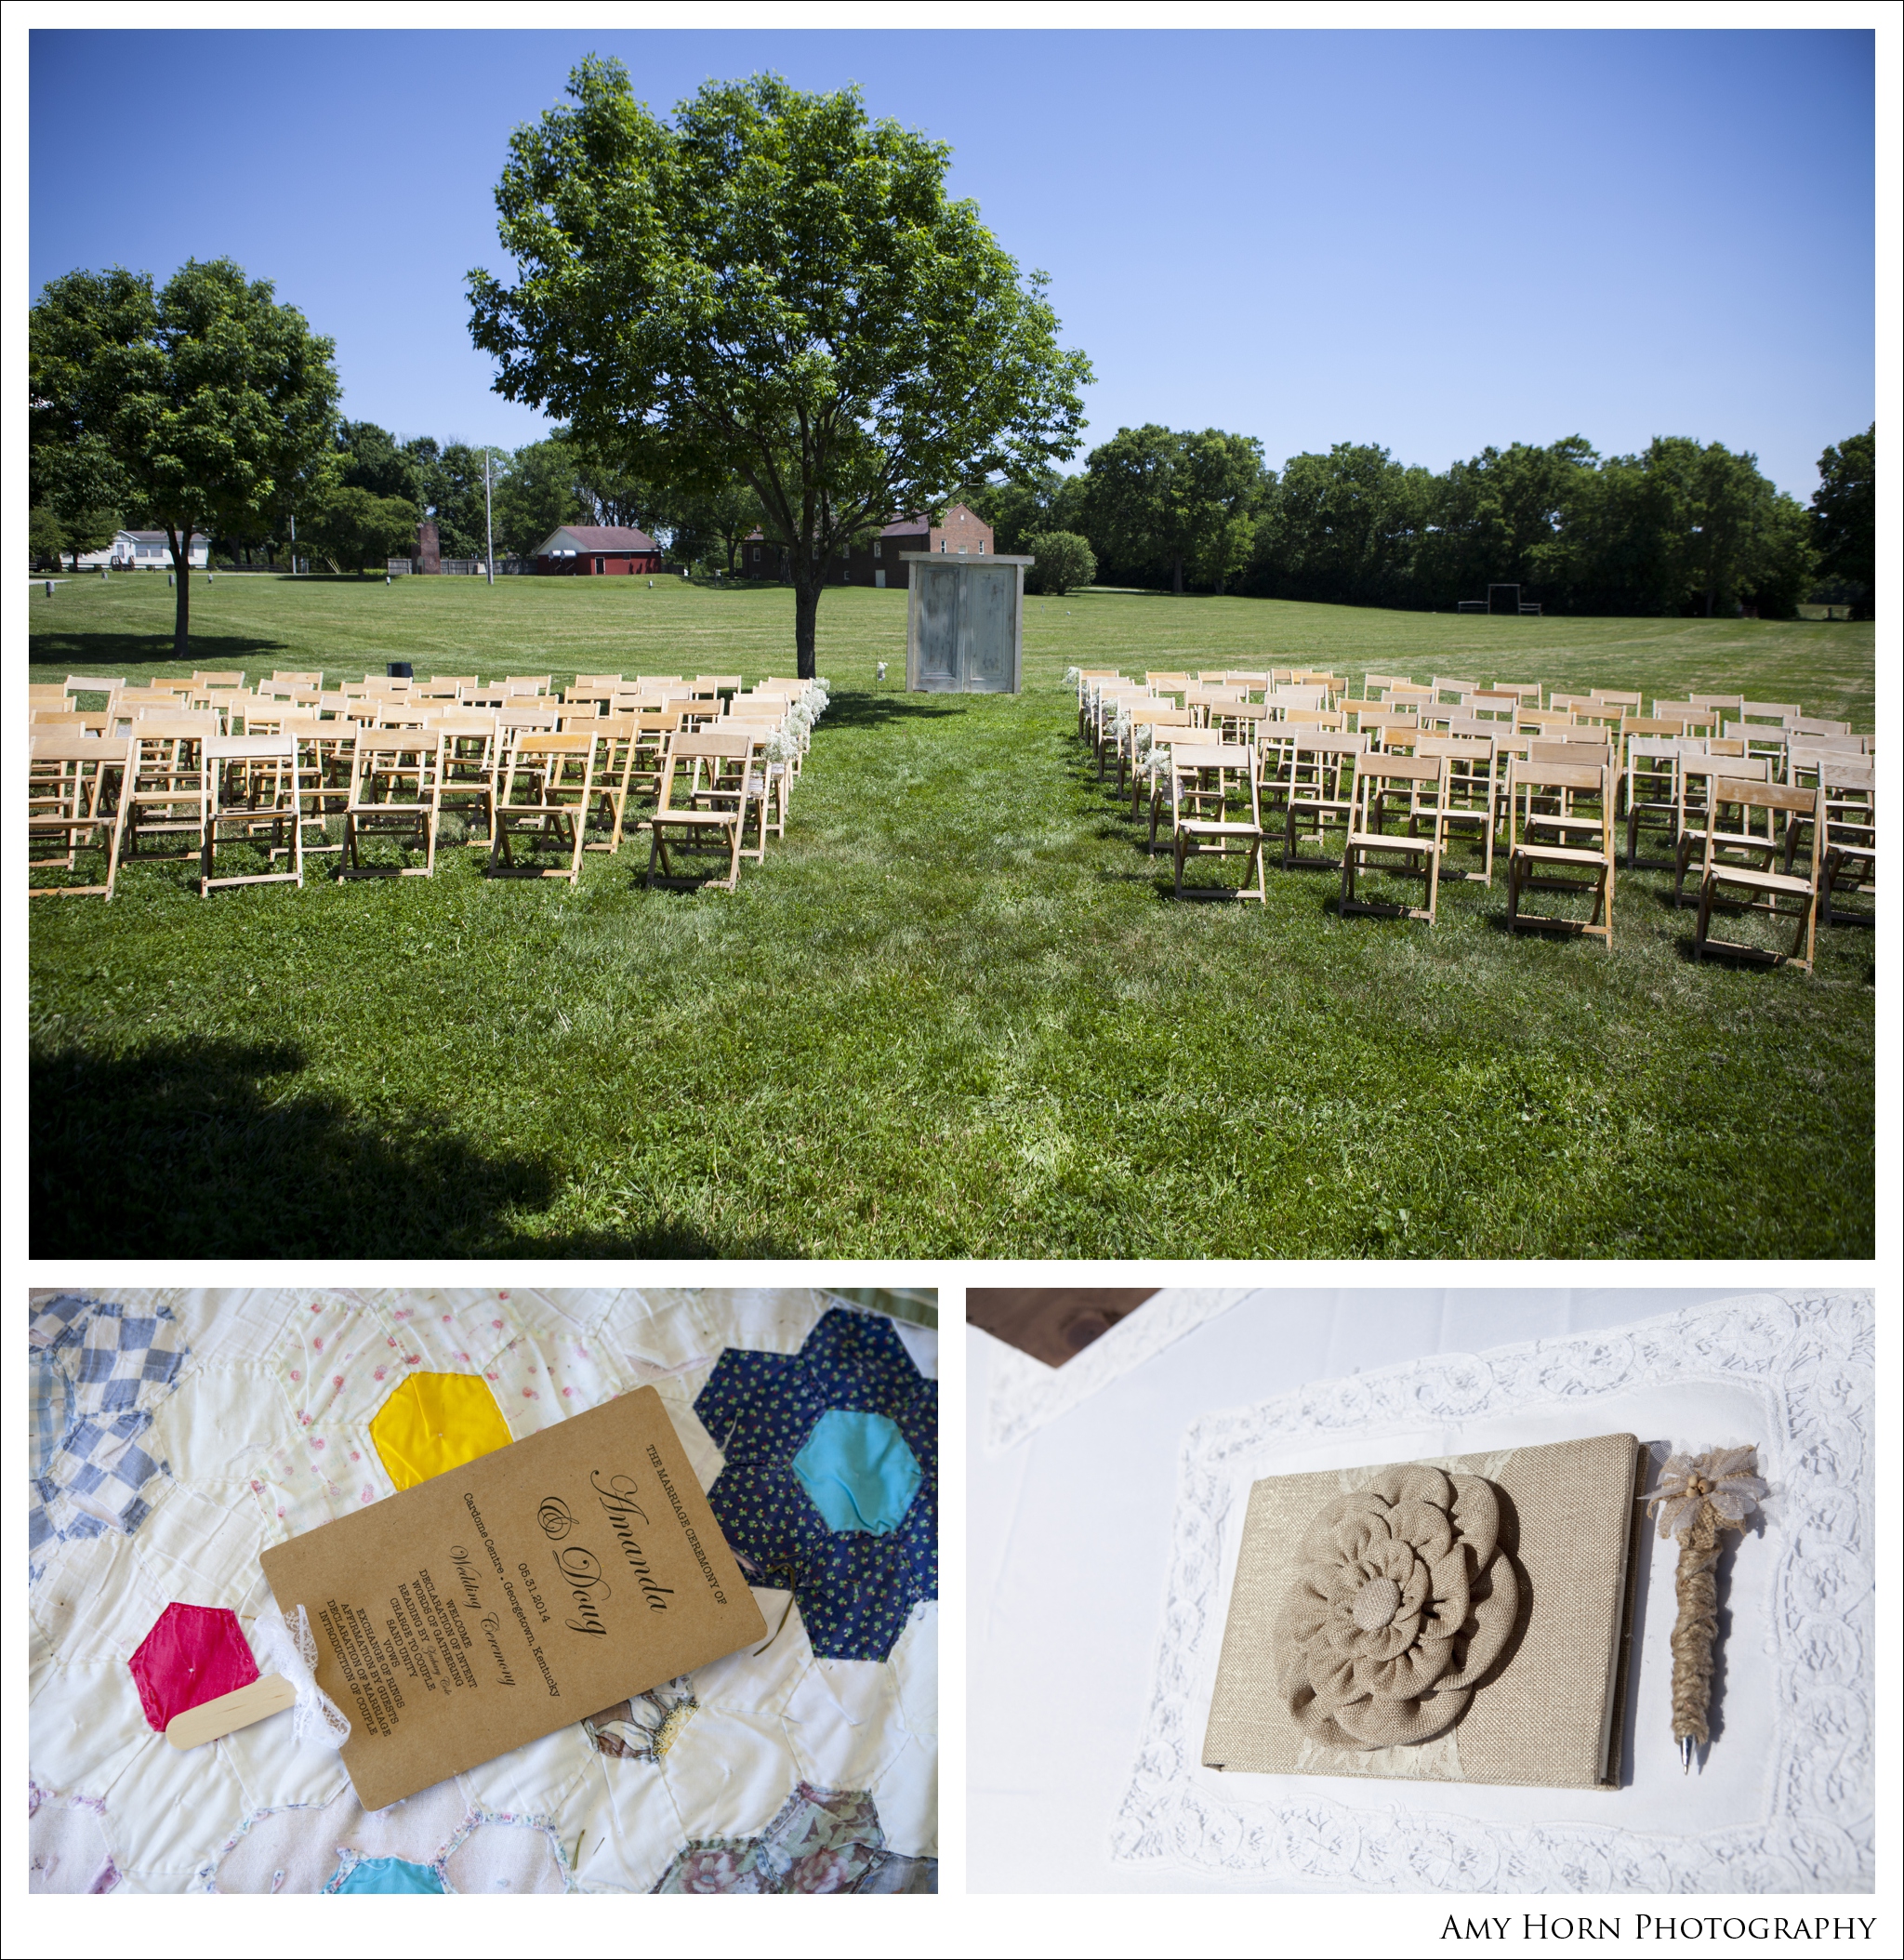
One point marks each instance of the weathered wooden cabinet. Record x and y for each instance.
(964, 623)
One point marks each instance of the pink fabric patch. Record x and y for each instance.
(194, 1654)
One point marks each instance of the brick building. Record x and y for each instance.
(878, 563)
(597, 550)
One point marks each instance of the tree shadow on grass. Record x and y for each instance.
(92, 651)
(856, 711)
(206, 1150)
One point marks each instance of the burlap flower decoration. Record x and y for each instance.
(1403, 1601)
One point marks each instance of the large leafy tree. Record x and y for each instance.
(708, 521)
(213, 403)
(1025, 506)
(776, 289)
(372, 459)
(355, 527)
(1845, 510)
(1344, 527)
(539, 490)
(1173, 501)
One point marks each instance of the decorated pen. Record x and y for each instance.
(1698, 1498)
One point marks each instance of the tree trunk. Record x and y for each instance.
(806, 613)
(181, 618)
(1177, 576)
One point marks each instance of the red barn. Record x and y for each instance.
(597, 550)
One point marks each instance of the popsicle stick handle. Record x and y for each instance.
(243, 1706)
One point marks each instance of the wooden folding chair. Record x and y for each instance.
(1464, 798)
(1449, 691)
(1493, 704)
(1378, 724)
(1688, 717)
(1586, 850)
(153, 705)
(1815, 725)
(396, 783)
(1850, 851)
(616, 737)
(692, 816)
(298, 677)
(655, 729)
(1209, 781)
(44, 719)
(1620, 702)
(1730, 706)
(544, 796)
(526, 683)
(766, 772)
(1332, 685)
(1652, 793)
(1366, 846)
(1290, 695)
(109, 685)
(71, 807)
(472, 760)
(43, 697)
(248, 795)
(606, 681)
(1699, 770)
(712, 687)
(1321, 782)
(1202, 701)
(1087, 680)
(1528, 692)
(327, 759)
(159, 817)
(1739, 857)
(1108, 704)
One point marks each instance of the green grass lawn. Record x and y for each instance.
(956, 1014)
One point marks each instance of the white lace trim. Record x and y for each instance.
(1023, 1394)
(1811, 1357)
(288, 1647)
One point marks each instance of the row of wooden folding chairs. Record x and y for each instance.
(1560, 839)
(534, 786)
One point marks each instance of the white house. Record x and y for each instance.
(144, 551)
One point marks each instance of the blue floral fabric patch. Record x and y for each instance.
(855, 1588)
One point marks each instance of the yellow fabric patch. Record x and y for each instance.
(432, 1423)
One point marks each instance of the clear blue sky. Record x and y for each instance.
(1431, 240)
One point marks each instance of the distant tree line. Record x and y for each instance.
(1680, 528)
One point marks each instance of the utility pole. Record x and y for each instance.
(488, 526)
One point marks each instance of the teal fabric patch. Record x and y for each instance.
(858, 1471)
(390, 1875)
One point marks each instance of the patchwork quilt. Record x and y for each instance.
(175, 1434)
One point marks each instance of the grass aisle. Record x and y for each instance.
(955, 1015)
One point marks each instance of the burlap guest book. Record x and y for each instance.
(512, 1595)
(1464, 1619)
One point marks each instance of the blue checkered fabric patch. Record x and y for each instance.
(98, 1370)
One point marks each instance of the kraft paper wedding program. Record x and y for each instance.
(523, 1591)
